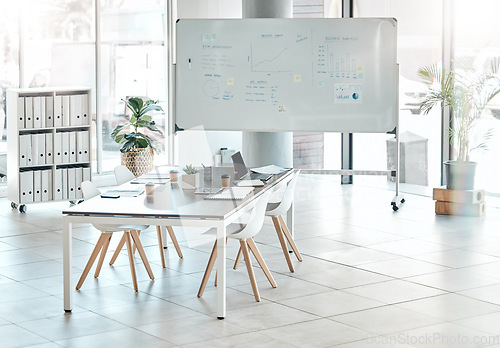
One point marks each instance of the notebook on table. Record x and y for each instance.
(243, 172)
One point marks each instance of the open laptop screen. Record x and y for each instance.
(239, 165)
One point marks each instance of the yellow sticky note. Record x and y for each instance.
(297, 78)
(230, 81)
(281, 108)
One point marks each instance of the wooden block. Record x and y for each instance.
(457, 196)
(450, 208)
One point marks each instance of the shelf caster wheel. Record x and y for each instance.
(22, 209)
(13, 205)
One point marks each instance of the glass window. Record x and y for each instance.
(419, 44)
(133, 64)
(476, 39)
(9, 69)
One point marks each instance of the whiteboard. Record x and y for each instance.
(336, 75)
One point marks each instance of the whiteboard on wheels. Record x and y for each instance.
(328, 75)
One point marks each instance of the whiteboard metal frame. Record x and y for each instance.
(305, 97)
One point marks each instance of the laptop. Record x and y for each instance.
(242, 170)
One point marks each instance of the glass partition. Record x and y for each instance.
(133, 64)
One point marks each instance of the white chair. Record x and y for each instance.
(90, 190)
(123, 175)
(276, 210)
(245, 235)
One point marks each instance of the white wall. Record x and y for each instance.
(209, 8)
(198, 146)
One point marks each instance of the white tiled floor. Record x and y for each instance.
(370, 277)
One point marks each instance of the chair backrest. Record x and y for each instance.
(123, 175)
(287, 199)
(89, 190)
(256, 218)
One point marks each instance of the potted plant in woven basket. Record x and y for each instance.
(137, 150)
(467, 92)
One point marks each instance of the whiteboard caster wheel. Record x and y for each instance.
(403, 200)
(13, 205)
(22, 209)
(395, 207)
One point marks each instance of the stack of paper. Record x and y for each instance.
(250, 183)
(271, 169)
(125, 193)
(231, 193)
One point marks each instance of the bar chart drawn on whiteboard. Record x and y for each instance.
(331, 62)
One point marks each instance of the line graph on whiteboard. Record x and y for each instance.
(269, 59)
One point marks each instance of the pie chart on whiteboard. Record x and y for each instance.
(211, 88)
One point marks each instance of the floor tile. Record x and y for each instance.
(317, 333)
(32, 270)
(444, 335)
(19, 256)
(486, 322)
(487, 293)
(15, 336)
(394, 291)
(402, 267)
(487, 269)
(77, 324)
(342, 277)
(32, 309)
(287, 288)
(252, 339)
(389, 319)
(453, 280)
(266, 316)
(449, 307)
(408, 247)
(331, 303)
(363, 236)
(197, 329)
(457, 258)
(356, 256)
(380, 341)
(129, 337)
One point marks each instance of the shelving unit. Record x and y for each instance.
(49, 144)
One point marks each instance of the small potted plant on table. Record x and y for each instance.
(190, 179)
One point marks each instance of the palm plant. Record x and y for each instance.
(467, 94)
(129, 134)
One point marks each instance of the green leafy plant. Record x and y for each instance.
(190, 169)
(129, 133)
(467, 93)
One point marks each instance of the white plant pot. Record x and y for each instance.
(190, 181)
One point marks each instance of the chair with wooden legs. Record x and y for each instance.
(123, 175)
(130, 233)
(245, 236)
(276, 210)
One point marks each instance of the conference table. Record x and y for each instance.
(170, 205)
